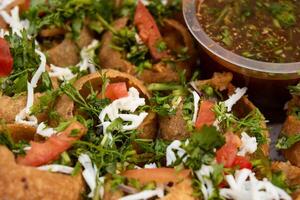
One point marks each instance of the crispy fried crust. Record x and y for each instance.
(13, 105)
(181, 191)
(66, 105)
(181, 182)
(110, 58)
(173, 127)
(160, 72)
(19, 131)
(64, 54)
(85, 37)
(21, 182)
(292, 174)
(291, 127)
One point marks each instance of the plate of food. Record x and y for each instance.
(111, 100)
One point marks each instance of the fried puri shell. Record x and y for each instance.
(292, 174)
(64, 54)
(174, 127)
(110, 58)
(11, 106)
(21, 182)
(160, 72)
(147, 128)
(19, 131)
(291, 127)
(180, 181)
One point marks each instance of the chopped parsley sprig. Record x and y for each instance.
(25, 63)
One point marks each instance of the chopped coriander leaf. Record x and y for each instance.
(188, 110)
(286, 142)
(201, 146)
(74, 133)
(91, 105)
(157, 148)
(251, 124)
(138, 54)
(16, 147)
(164, 105)
(26, 61)
(161, 46)
(115, 125)
(295, 90)
(58, 12)
(161, 11)
(279, 179)
(284, 12)
(45, 102)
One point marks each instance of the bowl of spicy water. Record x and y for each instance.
(258, 40)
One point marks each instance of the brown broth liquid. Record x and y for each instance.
(264, 30)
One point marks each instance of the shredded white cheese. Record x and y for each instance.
(24, 118)
(40, 70)
(245, 186)
(146, 2)
(238, 94)
(207, 186)
(87, 54)
(146, 194)
(249, 145)
(90, 174)
(170, 154)
(14, 21)
(196, 105)
(57, 168)
(44, 131)
(134, 120)
(129, 103)
(4, 3)
(62, 73)
(150, 166)
(138, 39)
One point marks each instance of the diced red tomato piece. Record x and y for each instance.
(27, 4)
(116, 90)
(48, 151)
(233, 139)
(206, 116)
(158, 175)
(226, 154)
(242, 162)
(148, 31)
(6, 60)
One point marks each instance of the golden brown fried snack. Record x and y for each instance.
(85, 37)
(180, 181)
(181, 191)
(292, 174)
(161, 71)
(110, 58)
(65, 104)
(291, 127)
(19, 131)
(13, 105)
(174, 127)
(64, 54)
(21, 182)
